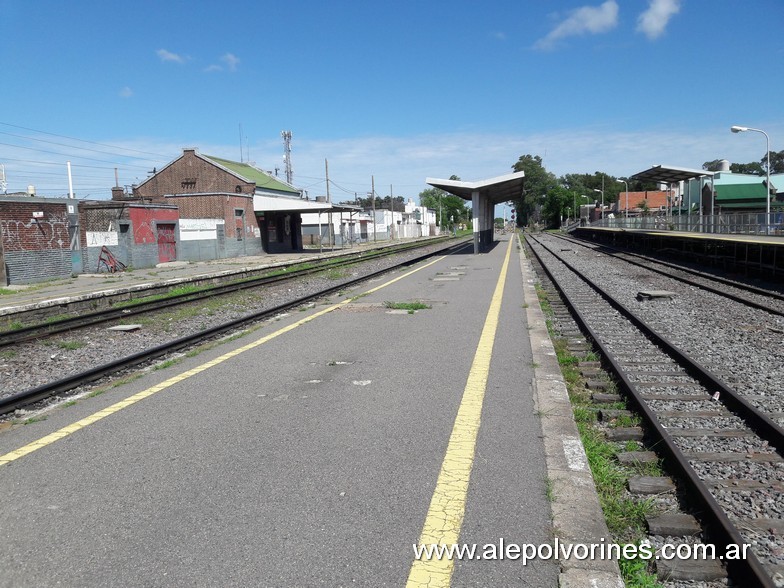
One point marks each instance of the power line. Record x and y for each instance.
(74, 146)
(57, 153)
(84, 140)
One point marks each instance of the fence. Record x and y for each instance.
(747, 223)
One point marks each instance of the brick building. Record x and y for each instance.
(137, 234)
(215, 198)
(36, 238)
(656, 201)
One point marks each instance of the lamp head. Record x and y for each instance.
(737, 129)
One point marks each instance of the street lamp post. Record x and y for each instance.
(626, 210)
(737, 129)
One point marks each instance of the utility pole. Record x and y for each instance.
(392, 213)
(240, 142)
(329, 201)
(287, 155)
(373, 198)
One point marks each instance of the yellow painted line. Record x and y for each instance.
(447, 507)
(118, 406)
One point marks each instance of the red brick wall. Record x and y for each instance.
(192, 175)
(655, 199)
(144, 220)
(22, 232)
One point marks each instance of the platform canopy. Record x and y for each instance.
(664, 174)
(496, 190)
(263, 203)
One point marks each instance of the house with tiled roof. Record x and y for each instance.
(227, 208)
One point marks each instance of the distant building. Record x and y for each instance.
(656, 201)
(227, 208)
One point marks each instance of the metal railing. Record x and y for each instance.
(747, 223)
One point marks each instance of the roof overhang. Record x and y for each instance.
(664, 174)
(264, 203)
(497, 190)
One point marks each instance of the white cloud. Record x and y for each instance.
(500, 35)
(231, 61)
(585, 20)
(126, 92)
(405, 162)
(653, 21)
(165, 55)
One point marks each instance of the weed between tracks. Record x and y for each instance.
(624, 515)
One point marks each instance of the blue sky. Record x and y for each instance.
(398, 90)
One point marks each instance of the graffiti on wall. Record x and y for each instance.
(36, 234)
(101, 238)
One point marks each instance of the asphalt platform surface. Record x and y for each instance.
(318, 449)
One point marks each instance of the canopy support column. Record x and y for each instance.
(475, 214)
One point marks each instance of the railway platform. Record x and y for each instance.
(96, 285)
(757, 255)
(423, 407)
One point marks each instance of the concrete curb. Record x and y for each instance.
(577, 515)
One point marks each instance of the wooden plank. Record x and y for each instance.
(745, 485)
(625, 434)
(650, 485)
(637, 457)
(763, 525)
(696, 570)
(608, 414)
(653, 294)
(733, 457)
(674, 525)
(602, 398)
(679, 397)
(734, 433)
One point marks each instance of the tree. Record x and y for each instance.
(712, 166)
(557, 202)
(536, 183)
(382, 202)
(585, 184)
(776, 162)
(448, 207)
(753, 168)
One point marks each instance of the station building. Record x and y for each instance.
(227, 208)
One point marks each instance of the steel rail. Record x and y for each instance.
(38, 393)
(751, 569)
(38, 331)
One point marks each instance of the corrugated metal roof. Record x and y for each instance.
(669, 174)
(253, 174)
(746, 193)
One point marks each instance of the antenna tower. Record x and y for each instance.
(287, 155)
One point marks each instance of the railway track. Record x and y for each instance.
(767, 299)
(36, 394)
(143, 306)
(722, 443)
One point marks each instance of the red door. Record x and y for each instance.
(167, 246)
